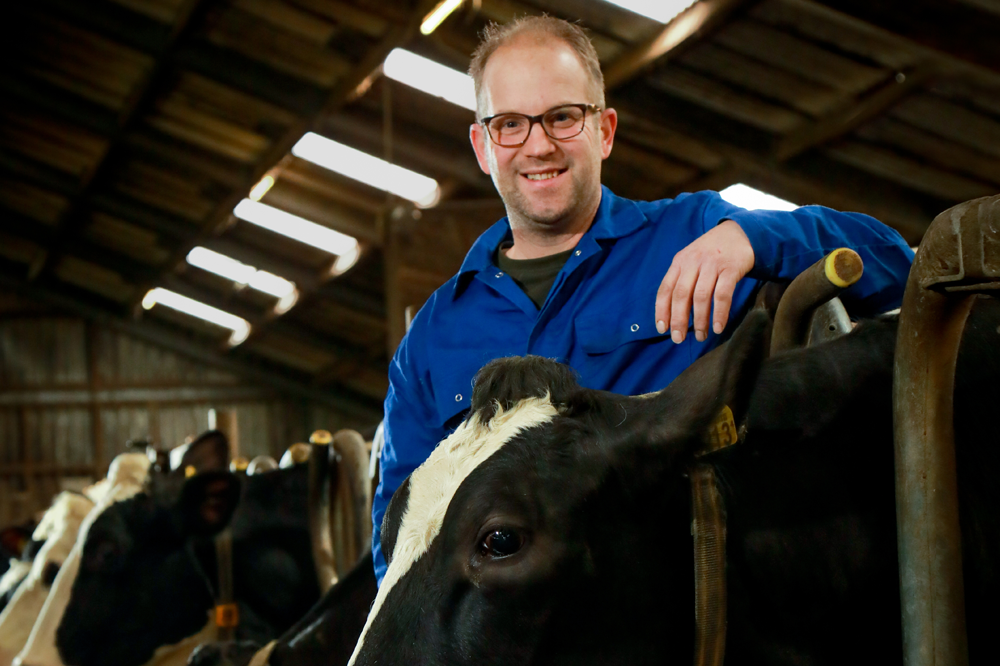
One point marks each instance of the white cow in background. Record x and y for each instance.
(58, 529)
(126, 476)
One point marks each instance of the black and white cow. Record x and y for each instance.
(148, 572)
(554, 525)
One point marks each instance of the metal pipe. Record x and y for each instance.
(958, 258)
(812, 288)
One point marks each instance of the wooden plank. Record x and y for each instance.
(909, 139)
(765, 81)
(725, 100)
(846, 37)
(856, 113)
(808, 60)
(364, 20)
(283, 51)
(952, 121)
(694, 23)
(305, 24)
(911, 173)
(641, 130)
(960, 31)
(651, 165)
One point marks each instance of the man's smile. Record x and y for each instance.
(544, 175)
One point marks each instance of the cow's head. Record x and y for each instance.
(140, 584)
(528, 534)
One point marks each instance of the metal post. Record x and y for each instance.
(958, 258)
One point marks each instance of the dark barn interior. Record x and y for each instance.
(133, 128)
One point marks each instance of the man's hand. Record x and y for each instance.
(710, 266)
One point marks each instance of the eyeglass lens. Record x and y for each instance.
(511, 129)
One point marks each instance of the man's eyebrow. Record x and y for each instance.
(523, 113)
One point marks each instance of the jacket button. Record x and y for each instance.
(500, 274)
(635, 327)
(577, 253)
(458, 397)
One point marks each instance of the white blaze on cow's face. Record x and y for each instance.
(434, 483)
(58, 529)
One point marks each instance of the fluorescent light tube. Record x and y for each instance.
(262, 187)
(295, 227)
(659, 10)
(431, 77)
(438, 15)
(368, 169)
(747, 197)
(244, 274)
(159, 296)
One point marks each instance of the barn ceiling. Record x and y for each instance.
(130, 130)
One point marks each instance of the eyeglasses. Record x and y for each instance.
(511, 130)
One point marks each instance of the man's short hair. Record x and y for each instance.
(496, 35)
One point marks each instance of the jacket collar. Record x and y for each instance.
(616, 217)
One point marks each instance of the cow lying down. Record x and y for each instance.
(554, 526)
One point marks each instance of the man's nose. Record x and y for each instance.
(538, 142)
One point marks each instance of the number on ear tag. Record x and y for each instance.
(722, 432)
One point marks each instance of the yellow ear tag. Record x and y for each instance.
(722, 432)
(190, 471)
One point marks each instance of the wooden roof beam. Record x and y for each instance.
(688, 27)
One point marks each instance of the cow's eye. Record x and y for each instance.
(501, 542)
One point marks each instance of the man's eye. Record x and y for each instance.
(501, 542)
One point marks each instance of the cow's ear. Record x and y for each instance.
(208, 501)
(724, 377)
(210, 451)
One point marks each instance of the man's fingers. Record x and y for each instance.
(680, 304)
(702, 303)
(724, 289)
(661, 311)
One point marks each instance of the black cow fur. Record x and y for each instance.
(148, 571)
(326, 635)
(599, 500)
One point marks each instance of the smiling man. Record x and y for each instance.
(580, 275)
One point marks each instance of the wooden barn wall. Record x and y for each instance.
(72, 394)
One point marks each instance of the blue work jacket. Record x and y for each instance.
(598, 316)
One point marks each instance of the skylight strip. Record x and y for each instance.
(663, 11)
(747, 197)
(368, 169)
(159, 296)
(295, 227)
(431, 77)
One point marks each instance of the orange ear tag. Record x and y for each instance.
(227, 616)
(190, 471)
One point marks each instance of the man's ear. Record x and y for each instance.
(609, 123)
(207, 453)
(208, 502)
(477, 135)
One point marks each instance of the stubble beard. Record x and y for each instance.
(541, 218)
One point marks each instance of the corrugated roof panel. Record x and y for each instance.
(84, 63)
(305, 24)
(96, 278)
(176, 118)
(951, 121)
(65, 147)
(233, 106)
(129, 239)
(283, 50)
(126, 361)
(19, 250)
(34, 202)
(164, 11)
(166, 189)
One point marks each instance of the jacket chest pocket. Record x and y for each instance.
(606, 331)
(453, 391)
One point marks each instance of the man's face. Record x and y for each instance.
(545, 183)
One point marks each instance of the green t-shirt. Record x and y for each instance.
(534, 276)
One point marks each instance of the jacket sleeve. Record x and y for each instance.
(785, 243)
(410, 435)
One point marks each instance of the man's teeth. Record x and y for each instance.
(542, 176)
